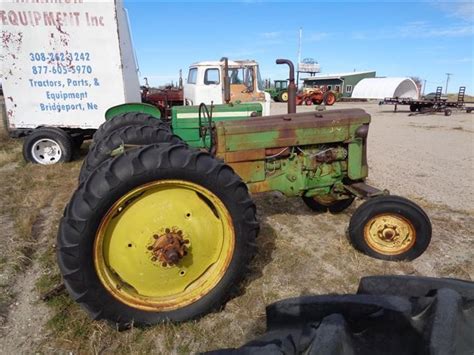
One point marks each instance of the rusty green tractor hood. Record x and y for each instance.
(256, 147)
(291, 130)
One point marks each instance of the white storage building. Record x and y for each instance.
(380, 88)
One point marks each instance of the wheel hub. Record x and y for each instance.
(164, 245)
(46, 151)
(389, 234)
(50, 151)
(169, 247)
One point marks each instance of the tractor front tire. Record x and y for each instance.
(130, 135)
(333, 207)
(390, 228)
(124, 120)
(47, 146)
(162, 232)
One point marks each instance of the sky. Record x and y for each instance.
(424, 39)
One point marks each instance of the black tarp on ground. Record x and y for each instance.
(388, 315)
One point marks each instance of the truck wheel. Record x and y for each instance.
(124, 120)
(162, 232)
(448, 112)
(413, 108)
(329, 98)
(107, 147)
(390, 228)
(48, 146)
(318, 205)
(308, 102)
(283, 96)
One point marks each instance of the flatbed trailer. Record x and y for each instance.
(437, 104)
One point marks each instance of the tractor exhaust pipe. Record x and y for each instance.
(291, 85)
(226, 80)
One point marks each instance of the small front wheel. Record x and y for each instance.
(390, 228)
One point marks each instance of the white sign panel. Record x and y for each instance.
(308, 67)
(61, 62)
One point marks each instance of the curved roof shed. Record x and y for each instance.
(380, 88)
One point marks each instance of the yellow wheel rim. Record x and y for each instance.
(389, 234)
(133, 271)
(284, 96)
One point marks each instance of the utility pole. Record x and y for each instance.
(447, 81)
(299, 60)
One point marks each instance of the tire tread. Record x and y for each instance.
(145, 161)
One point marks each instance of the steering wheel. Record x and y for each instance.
(207, 128)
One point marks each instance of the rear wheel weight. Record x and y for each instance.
(126, 212)
(390, 228)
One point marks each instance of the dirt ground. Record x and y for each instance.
(428, 158)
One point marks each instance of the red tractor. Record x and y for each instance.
(316, 96)
(163, 99)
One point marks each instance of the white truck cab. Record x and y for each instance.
(205, 83)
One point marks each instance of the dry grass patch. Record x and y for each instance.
(299, 253)
(31, 200)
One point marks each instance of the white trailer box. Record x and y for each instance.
(65, 62)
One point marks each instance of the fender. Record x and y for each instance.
(132, 107)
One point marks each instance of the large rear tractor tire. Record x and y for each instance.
(125, 120)
(283, 96)
(318, 205)
(162, 232)
(47, 146)
(329, 98)
(133, 135)
(390, 228)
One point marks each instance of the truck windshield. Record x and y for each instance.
(242, 76)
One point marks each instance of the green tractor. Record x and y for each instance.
(279, 92)
(163, 226)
